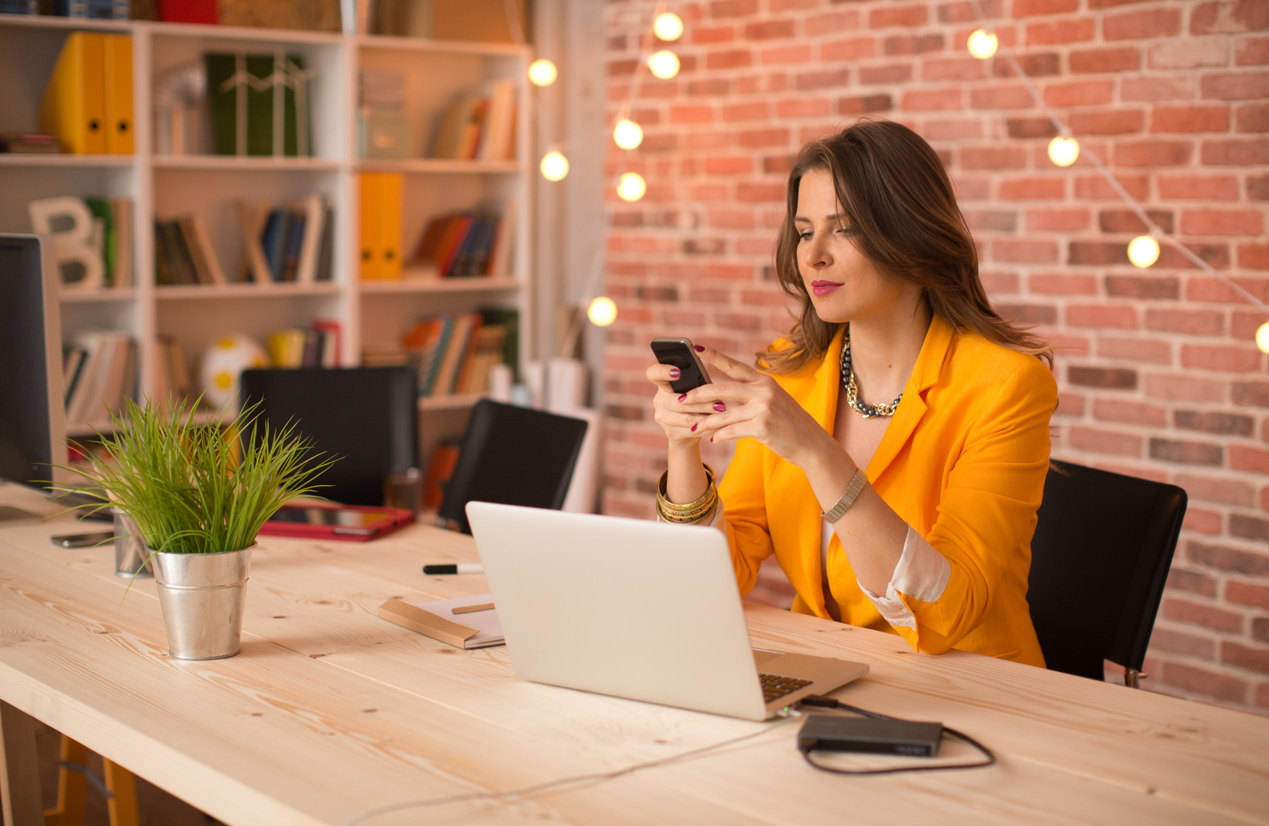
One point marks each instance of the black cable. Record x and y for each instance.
(828, 702)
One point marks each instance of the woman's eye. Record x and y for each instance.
(845, 230)
(805, 235)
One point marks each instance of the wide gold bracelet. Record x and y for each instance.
(848, 498)
(697, 511)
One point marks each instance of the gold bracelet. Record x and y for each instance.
(848, 498)
(675, 519)
(697, 511)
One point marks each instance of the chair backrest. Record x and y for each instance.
(512, 456)
(1099, 559)
(367, 416)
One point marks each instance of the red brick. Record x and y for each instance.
(711, 34)
(864, 105)
(1224, 558)
(894, 73)
(1249, 527)
(1253, 257)
(1250, 393)
(1027, 315)
(1112, 378)
(1153, 153)
(1189, 119)
(1221, 357)
(1206, 616)
(1152, 351)
(1185, 388)
(1243, 325)
(1104, 316)
(1242, 656)
(822, 79)
(1242, 85)
(1058, 220)
(1070, 404)
(993, 157)
(769, 29)
(1105, 441)
(832, 22)
(1251, 51)
(1062, 284)
(911, 44)
(1002, 220)
(1220, 490)
(733, 59)
(958, 68)
(1097, 253)
(1176, 642)
(1193, 582)
(846, 50)
(691, 114)
(1215, 255)
(1098, 61)
(733, 8)
(1095, 187)
(1223, 16)
(1024, 252)
(803, 108)
(1032, 8)
(881, 18)
(1214, 422)
(998, 283)
(1239, 152)
(965, 12)
(1222, 222)
(1252, 117)
(1198, 187)
(1014, 96)
(744, 111)
(1145, 287)
(1247, 593)
(785, 55)
(1127, 220)
(1207, 683)
(1037, 64)
(1079, 93)
(1158, 87)
(729, 219)
(1188, 53)
(936, 130)
(1202, 521)
(947, 98)
(1142, 24)
(763, 137)
(1120, 122)
(1060, 31)
(1032, 189)
(1037, 127)
(729, 165)
(1188, 322)
(1134, 413)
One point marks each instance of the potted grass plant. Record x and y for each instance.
(199, 500)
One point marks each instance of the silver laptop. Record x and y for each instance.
(635, 609)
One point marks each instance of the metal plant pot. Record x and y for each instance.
(203, 597)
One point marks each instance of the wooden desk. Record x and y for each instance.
(330, 711)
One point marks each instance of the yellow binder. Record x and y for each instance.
(74, 107)
(380, 225)
(118, 83)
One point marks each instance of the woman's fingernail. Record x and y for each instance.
(694, 427)
(711, 440)
(719, 406)
(699, 348)
(674, 372)
(683, 398)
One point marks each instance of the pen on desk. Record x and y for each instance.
(469, 568)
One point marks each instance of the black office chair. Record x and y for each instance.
(513, 456)
(367, 416)
(1099, 560)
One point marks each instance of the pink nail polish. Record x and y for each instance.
(683, 398)
(719, 406)
(674, 372)
(699, 348)
(694, 427)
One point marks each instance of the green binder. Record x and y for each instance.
(254, 91)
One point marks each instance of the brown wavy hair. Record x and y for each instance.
(900, 203)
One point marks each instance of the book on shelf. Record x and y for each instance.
(183, 253)
(92, 9)
(317, 346)
(99, 376)
(28, 143)
(87, 103)
(464, 244)
(264, 90)
(453, 353)
(383, 132)
(294, 243)
(477, 125)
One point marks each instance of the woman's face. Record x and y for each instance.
(843, 284)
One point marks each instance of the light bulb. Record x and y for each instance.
(554, 166)
(1143, 251)
(542, 72)
(627, 134)
(664, 64)
(668, 26)
(1262, 337)
(1064, 151)
(983, 44)
(602, 311)
(631, 187)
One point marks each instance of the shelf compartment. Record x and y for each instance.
(471, 284)
(201, 292)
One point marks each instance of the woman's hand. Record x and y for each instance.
(752, 404)
(680, 421)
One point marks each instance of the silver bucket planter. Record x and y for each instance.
(203, 597)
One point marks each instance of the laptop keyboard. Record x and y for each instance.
(774, 686)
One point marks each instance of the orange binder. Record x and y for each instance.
(74, 107)
(380, 225)
(118, 83)
(369, 187)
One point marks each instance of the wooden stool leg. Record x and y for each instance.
(19, 776)
(122, 804)
(72, 787)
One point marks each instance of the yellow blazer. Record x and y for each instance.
(962, 462)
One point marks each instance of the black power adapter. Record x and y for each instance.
(830, 732)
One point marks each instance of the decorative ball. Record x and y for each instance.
(222, 364)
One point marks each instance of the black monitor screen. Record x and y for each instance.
(27, 438)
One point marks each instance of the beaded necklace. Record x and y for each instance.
(852, 389)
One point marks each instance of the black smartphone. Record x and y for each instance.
(679, 352)
(83, 540)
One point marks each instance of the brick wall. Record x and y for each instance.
(1158, 372)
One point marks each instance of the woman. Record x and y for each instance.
(892, 454)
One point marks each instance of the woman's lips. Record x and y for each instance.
(824, 287)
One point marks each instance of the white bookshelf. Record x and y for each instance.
(163, 186)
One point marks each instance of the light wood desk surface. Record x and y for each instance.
(330, 711)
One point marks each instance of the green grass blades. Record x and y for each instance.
(185, 484)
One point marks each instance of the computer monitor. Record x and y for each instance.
(32, 404)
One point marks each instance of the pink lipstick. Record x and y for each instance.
(821, 288)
